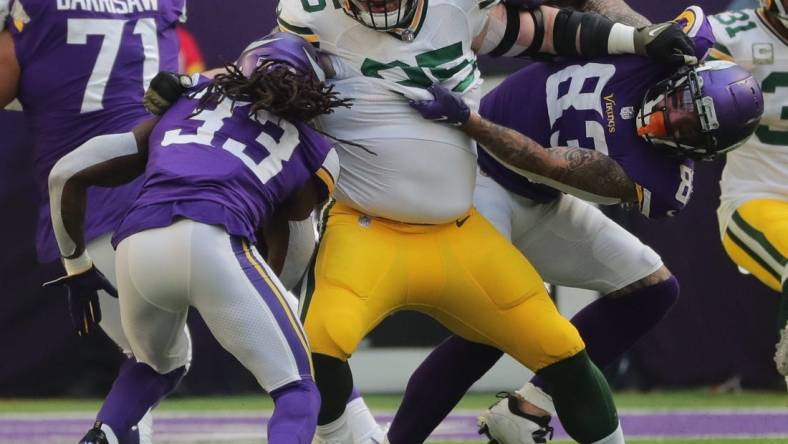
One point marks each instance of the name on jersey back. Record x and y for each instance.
(112, 6)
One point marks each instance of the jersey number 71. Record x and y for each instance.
(112, 32)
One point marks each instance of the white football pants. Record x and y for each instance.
(569, 241)
(163, 271)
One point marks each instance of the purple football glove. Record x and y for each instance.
(445, 107)
(83, 304)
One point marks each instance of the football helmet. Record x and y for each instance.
(701, 112)
(281, 47)
(777, 8)
(382, 15)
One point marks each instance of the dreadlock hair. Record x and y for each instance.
(277, 88)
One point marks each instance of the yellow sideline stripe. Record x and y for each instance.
(261, 270)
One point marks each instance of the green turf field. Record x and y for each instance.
(382, 404)
(628, 400)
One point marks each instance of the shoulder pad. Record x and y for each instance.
(292, 17)
(696, 25)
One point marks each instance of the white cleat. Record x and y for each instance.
(333, 440)
(504, 423)
(373, 437)
(781, 352)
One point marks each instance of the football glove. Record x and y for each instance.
(445, 107)
(82, 295)
(665, 43)
(164, 90)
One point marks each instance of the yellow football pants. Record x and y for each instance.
(463, 274)
(757, 240)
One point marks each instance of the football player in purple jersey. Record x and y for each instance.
(220, 162)
(80, 69)
(622, 130)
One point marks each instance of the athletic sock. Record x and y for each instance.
(336, 431)
(437, 386)
(137, 389)
(611, 325)
(361, 422)
(295, 413)
(616, 437)
(335, 382)
(582, 398)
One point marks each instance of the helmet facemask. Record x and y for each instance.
(676, 115)
(381, 15)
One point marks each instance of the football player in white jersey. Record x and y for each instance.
(402, 233)
(753, 212)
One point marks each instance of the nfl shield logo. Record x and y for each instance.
(627, 112)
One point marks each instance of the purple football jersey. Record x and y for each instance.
(85, 66)
(591, 104)
(222, 167)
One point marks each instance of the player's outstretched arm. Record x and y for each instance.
(510, 31)
(107, 161)
(616, 10)
(9, 69)
(585, 173)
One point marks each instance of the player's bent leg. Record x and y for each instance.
(515, 314)
(295, 406)
(437, 385)
(353, 285)
(576, 381)
(756, 239)
(136, 385)
(612, 324)
(254, 318)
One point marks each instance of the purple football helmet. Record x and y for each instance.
(281, 47)
(702, 112)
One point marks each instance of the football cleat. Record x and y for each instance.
(504, 423)
(340, 437)
(781, 352)
(95, 435)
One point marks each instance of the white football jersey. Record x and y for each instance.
(421, 172)
(758, 169)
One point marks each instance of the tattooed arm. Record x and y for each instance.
(585, 173)
(616, 10)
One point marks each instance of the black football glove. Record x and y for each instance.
(665, 43)
(83, 303)
(164, 90)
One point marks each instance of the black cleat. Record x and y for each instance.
(95, 435)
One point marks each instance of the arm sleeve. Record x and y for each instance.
(68, 185)
(301, 245)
